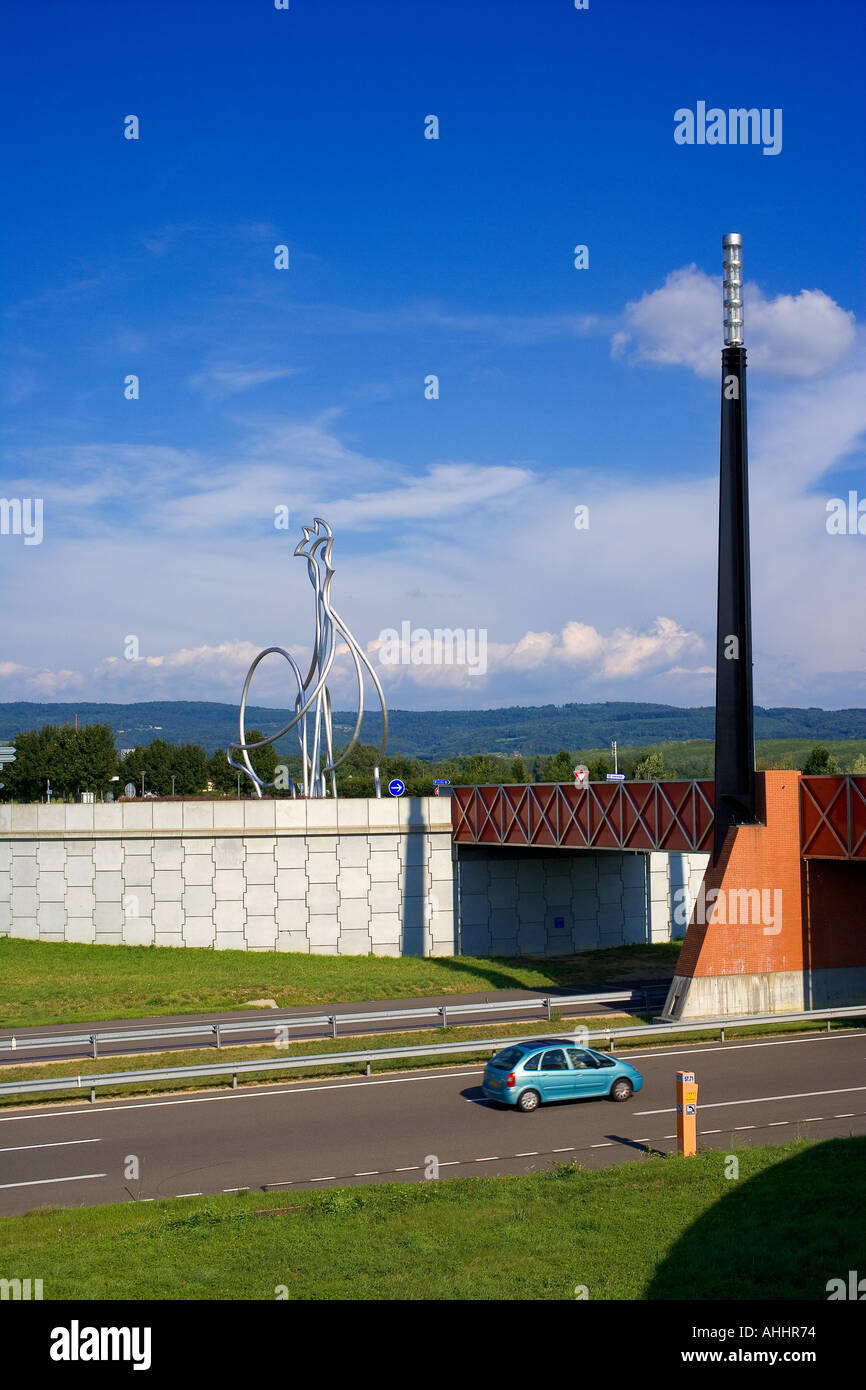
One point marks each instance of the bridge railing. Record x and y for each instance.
(672, 816)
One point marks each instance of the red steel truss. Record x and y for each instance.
(833, 817)
(601, 815)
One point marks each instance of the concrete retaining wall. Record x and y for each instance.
(347, 877)
(333, 878)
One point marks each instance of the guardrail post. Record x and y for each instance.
(333, 1022)
(368, 1068)
(547, 1002)
(234, 1081)
(216, 1029)
(95, 1042)
(444, 1012)
(721, 1035)
(93, 1095)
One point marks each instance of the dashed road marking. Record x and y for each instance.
(43, 1182)
(58, 1144)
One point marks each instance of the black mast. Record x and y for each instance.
(735, 724)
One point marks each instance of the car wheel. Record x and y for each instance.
(621, 1089)
(529, 1101)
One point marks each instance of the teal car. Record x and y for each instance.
(546, 1069)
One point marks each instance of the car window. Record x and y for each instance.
(554, 1061)
(605, 1061)
(580, 1059)
(532, 1064)
(507, 1060)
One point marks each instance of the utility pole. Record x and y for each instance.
(613, 749)
(735, 720)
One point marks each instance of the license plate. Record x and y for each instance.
(491, 1082)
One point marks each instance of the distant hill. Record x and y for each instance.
(436, 734)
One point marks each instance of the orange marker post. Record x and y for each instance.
(687, 1113)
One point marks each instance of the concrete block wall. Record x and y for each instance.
(346, 877)
(509, 900)
(673, 884)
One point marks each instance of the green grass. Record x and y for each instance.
(659, 1228)
(63, 982)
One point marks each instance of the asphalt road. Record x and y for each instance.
(157, 1041)
(309, 1134)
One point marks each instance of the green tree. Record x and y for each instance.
(859, 767)
(650, 769)
(73, 760)
(517, 771)
(599, 768)
(559, 768)
(820, 761)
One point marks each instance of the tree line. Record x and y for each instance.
(85, 760)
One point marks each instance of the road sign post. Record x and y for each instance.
(687, 1113)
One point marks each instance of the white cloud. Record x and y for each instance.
(790, 336)
(228, 381)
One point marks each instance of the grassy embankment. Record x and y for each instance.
(662, 1228)
(63, 982)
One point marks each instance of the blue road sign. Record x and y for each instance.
(396, 788)
(615, 777)
(442, 781)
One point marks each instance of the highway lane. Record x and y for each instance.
(315, 1133)
(279, 1019)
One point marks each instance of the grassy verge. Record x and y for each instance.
(662, 1228)
(311, 1047)
(63, 982)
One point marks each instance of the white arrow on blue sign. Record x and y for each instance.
(396, 788)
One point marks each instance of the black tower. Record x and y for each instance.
(735, 723)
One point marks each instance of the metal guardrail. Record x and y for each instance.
(368, 1055)
(218, 1030)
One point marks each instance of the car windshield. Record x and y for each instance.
(504, 1061)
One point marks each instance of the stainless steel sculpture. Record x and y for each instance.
(313, 697)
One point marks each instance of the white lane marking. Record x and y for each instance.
(41, 1182)
(59, 1144)
(369, 1173)
(568, 1150)
(807, 1119)
(530, 1153)
(493, 1158)
(147, 1199)
(736, 1047)
(712, 1131)
(415, 1168)
(601, 1146)
(452, 1163)
(187, 1194)
(759, 1100)
(773, 1123)
(332, 1178)
(239, 1189)
(849, 1115)
(286, 1090)
(737, 1127)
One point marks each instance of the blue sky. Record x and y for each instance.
(305, 388)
